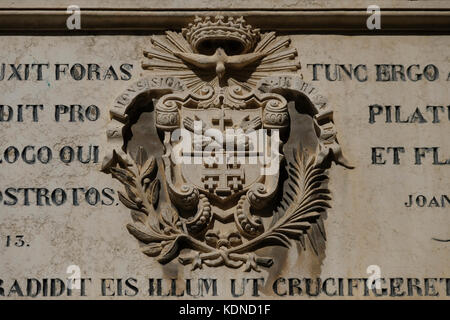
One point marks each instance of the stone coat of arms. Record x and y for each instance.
(222, 149)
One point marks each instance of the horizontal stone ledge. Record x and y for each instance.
(224, 4)
(299, 21)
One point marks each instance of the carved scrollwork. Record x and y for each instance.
(185, 197)
(276, 115)
(258, 196)
(323, 114)
(202, 218)
(246, 224)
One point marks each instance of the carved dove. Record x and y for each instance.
(220, 61)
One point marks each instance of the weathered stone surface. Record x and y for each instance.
(228, 4)
(370, 221)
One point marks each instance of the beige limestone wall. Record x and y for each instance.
(368, 223)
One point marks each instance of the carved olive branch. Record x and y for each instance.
(142, 195)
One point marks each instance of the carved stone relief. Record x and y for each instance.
(224, 168)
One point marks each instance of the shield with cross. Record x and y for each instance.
(224, 161)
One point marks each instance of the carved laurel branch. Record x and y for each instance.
(157, 231)
(161, 232)
(163, 235)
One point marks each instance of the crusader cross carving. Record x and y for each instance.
(231, 175)
(224, 179)
(221, 120)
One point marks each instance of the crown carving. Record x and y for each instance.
(234, 33)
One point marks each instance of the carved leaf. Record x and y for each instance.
(308, 197)
(132, 194)
(153, 193)
(321, 228)
(279, 238)
(170, 251)
(152, 250)
(123, 175)
(112, 160)
(167, 216)
(127, 202)
(139, 217)
(149, 166)
(141, 157)
(148, 235)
